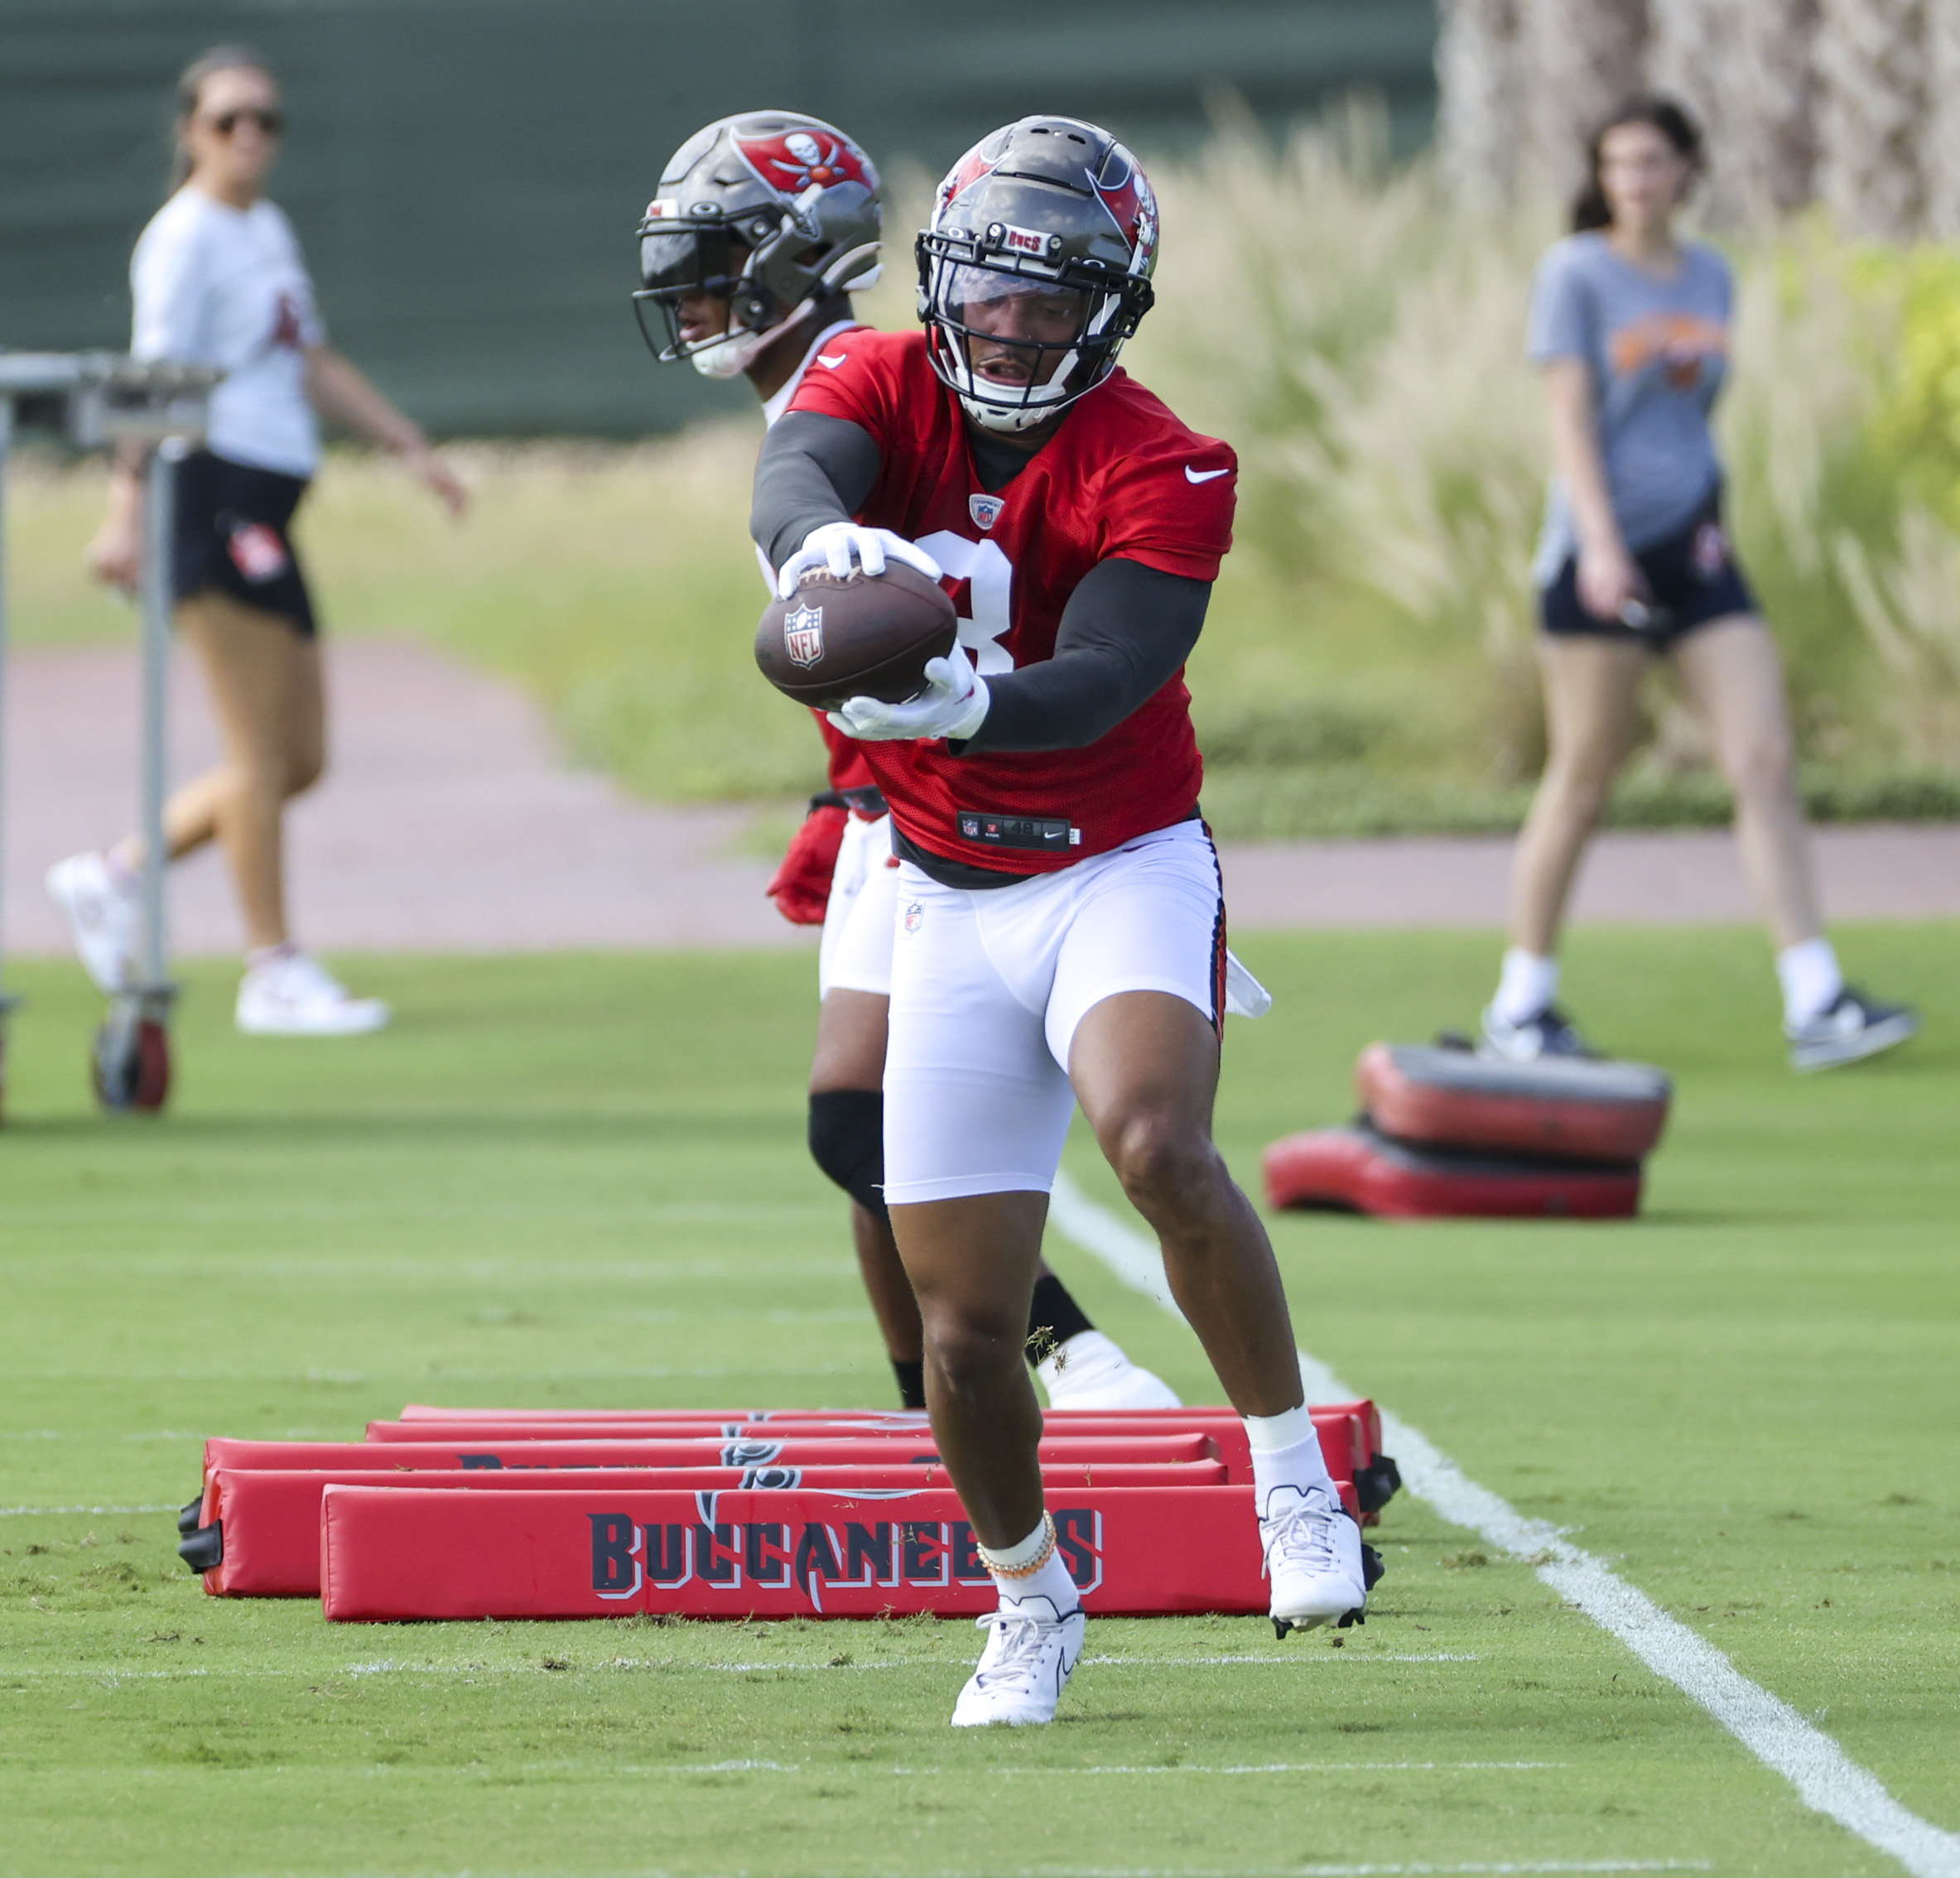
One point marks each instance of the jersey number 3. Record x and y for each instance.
(990, 577)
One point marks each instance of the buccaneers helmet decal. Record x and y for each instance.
(1125, 192)
(795, 159)
(967, 171)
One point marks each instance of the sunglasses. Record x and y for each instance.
(271, 123)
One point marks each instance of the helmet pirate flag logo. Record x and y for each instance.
(795, 160)
(802, 635)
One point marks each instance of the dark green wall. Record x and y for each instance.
(465, 175)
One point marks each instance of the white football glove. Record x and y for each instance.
(837, 544)
(953, 703)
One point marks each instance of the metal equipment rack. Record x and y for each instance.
(101, 400)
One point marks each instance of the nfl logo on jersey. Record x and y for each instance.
(985, 509)
(802, 635)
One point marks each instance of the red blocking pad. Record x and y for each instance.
(895, 1418)
(1194, 1414)
(1361, 1170)
(1561, 1106)
(268, 1522)
(912, 1437)
(395, 1552)
(1349, 1432)
(320, 1456)
(755, 1443)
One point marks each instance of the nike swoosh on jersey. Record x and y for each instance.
(825, 359)
(1205, 475)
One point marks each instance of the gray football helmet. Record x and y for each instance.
(1035, 268)
(771, 210)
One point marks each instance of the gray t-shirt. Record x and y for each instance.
(1657, 347)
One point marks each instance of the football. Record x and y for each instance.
(863, 637)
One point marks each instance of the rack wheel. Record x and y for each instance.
(130, 1065)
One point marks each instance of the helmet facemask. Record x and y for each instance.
(704, 260)
(1016, 348)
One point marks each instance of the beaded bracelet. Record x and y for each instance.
(1027, 1571)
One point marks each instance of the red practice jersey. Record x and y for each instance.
(848, 768)
(1121, 480)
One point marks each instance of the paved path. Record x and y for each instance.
(450, 822)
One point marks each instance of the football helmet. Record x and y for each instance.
(1035, 268)
(772, 211)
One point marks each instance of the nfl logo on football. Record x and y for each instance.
(802, 635)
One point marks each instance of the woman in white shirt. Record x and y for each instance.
(217, 279)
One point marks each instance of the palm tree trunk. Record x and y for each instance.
(1941, 141)
(1580, 58)
(1871, 65)
(1481, 97)
(1744, 68)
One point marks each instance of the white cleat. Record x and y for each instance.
(291, 995)
(101, 917)
(1089, 1372)
(1313, 1557)
(1025, 1667)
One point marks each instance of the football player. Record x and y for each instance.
(1062, 918)
(763, 224)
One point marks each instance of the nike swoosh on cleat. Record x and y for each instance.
(1206, 475)
(825, 359)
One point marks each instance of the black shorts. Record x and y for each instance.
(1692, 579)
(231, 534)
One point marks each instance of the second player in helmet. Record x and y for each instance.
(763, 223)
(1062, 933)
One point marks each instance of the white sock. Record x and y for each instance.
(1286, 1452)
(1087, 1350)
(1810, 979)
(1049, 1580)
(1527, 984)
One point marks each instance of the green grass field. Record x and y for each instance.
(581, 1180)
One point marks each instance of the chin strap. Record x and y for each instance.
(731, 357)
(1041, 402)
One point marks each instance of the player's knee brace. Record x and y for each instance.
(847, 1142)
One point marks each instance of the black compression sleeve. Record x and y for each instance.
(1125, 630)
(812, 470)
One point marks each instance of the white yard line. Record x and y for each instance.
(1826, 1780)
(16, 1512)
(1498, 1866)
(1495, 1866)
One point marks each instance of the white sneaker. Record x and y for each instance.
(1089, 1372)
(101, 916)
(290, 994)
(1549, 1033)
(1853, 1027)
(1025, 1667)
(1313, 1557)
